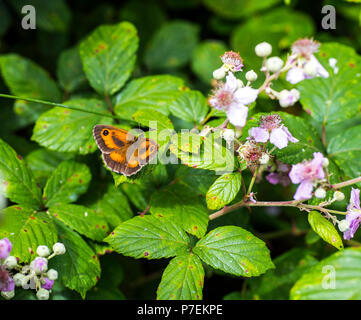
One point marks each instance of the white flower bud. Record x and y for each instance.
(43, 251)
(320, 193)
(263, 49)
(338, 196)
(10, 262)
(59, 248)
(296, 94)
(52, 274)
(219, 74)
(8, 294)
(264, 158)
(42, 294)
(274, 64)
(251, 76)
(325, 162)
(18, 278)
(343, 225)
(310, 69)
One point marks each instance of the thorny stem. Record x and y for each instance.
(293, 203)
(345, 183)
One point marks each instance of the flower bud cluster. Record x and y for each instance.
(36, 275)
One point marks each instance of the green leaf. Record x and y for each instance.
(223, 190)
(187, 141)
(212, 156)
(190, 106)
(333, 100)
(43, 162)
(206, 59)
(113, 206)
(279, 27)
(52, 16)
(79, 267)
(179, 204)
(277, 283)
(67, 130)
(16, 180)
(69, 180)
(172, 45)
(84, 220)
(26, 79)
(182, 279)
(325, 229)
(27, 229)
(345, 150)
(152, 92)
(334, 278)
(233, 9)
(70, 70)
(108, 56)
(152, 119)
(149, 237)
(235, 251)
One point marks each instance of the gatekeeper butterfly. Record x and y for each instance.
(122, 151)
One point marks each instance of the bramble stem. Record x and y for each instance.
(293, 203)
(252, 181)
(57, 105)
(345, 183)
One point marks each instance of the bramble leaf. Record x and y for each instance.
(235, 251)
(149, 237)
(108, 56)
(182, 279)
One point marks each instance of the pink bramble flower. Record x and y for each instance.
(280, 175)
(39, 265)
(232, 61)
(353, 217)
(271, 129)
(232, 99)
(307, 173)
(306, 64)
(250, 153)
(6, 281)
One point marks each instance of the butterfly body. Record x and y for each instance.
(122, 151)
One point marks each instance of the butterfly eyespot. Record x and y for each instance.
(105, 132)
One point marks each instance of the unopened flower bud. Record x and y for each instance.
(10, 262)
(59, 248)
(39, 265)
(42, 294)
(274, 64)
(344, 225)
(219, 74)
(338, 196)
(251, 76)
(18, 278)
(320, 193)
(240, 84)
(263, 49)
(8, 294)
(52, 274)
(325, 162)
(264, 159)
(5, 248)
(43, 251)
(288, 98)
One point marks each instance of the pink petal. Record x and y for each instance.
(259, 134)
(246, 95)
(279, 138)
(296, 173)
(304, 191)
(290, 137)
(354, 199)
(295, 75)
(237, 115)
(231, 82)
(321, 71)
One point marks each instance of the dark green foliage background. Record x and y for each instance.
(181, 39)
